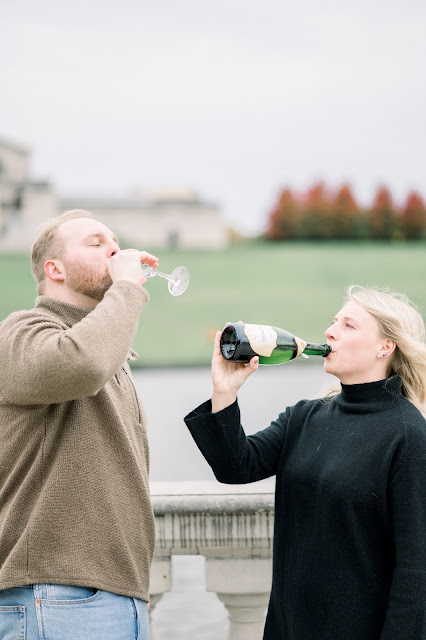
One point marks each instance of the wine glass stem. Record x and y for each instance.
(164, 275)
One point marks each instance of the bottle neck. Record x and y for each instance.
(313, 349)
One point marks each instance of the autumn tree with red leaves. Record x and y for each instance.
(413, 217)
(317, 220)
(320, 214)
(382, 218)
(346, 214)
(284, 219)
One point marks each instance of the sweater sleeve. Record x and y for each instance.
(45, 363)
(406, 613)
(234, 457)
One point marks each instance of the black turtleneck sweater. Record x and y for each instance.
(349, 559)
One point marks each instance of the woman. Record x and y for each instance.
(349, 560)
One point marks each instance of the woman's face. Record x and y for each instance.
(359, 352)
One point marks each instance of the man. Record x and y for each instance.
(76, 524)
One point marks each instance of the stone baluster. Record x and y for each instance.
(232, 526)
(243, 585)
(160, 582)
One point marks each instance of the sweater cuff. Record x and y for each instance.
(138, 294)
(223, 417)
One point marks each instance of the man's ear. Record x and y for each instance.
(54, 269)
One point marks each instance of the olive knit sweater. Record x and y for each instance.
(74, 493)
(349, 560)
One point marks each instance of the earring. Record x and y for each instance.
(384, 355)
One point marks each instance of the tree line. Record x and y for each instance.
(322, 214)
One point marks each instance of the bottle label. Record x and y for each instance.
(262, 339)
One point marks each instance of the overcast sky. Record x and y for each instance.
(234, 98)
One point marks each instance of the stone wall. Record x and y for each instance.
(232, 526)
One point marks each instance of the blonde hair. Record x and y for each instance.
(400, 321)
(47, 245)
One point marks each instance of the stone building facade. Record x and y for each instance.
(150, 219)
(24, 203)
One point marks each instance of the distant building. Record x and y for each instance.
(24, 203)
(163, 218)
(150, 219)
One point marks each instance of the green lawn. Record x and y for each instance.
(298, 287)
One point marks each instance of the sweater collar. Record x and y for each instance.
(371, 397)
(70, 314)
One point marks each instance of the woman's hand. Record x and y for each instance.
(228, 377)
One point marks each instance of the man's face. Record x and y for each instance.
(87, 245)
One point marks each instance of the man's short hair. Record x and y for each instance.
(48, 246)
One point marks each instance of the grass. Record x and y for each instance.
(298, 287)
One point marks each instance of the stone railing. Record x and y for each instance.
(232, 526)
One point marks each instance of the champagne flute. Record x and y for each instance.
(178, 279)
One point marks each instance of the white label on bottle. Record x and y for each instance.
(262, 339)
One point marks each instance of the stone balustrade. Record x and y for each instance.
(232, 526)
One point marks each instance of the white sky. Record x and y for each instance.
(235, 98)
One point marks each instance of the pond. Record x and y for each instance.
(169, 394)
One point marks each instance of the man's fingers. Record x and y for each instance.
(148, 258)
(144, 256)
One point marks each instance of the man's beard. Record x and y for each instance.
(84, 279)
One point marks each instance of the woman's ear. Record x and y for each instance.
(54, 270)
(387, 349)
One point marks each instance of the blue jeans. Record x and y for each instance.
(64, 612)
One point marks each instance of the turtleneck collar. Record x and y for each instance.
(371, 397)
(69, 313)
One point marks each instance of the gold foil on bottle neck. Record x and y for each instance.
(301, 345)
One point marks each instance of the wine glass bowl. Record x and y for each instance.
(178, 280)
(147, 271)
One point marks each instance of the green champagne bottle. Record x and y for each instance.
(239, 342)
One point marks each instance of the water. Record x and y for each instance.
(188, 611)
(168, 395)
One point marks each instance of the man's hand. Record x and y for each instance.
(126, 265)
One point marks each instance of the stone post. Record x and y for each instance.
(232, 526)
(160, 582)
(243, 585)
